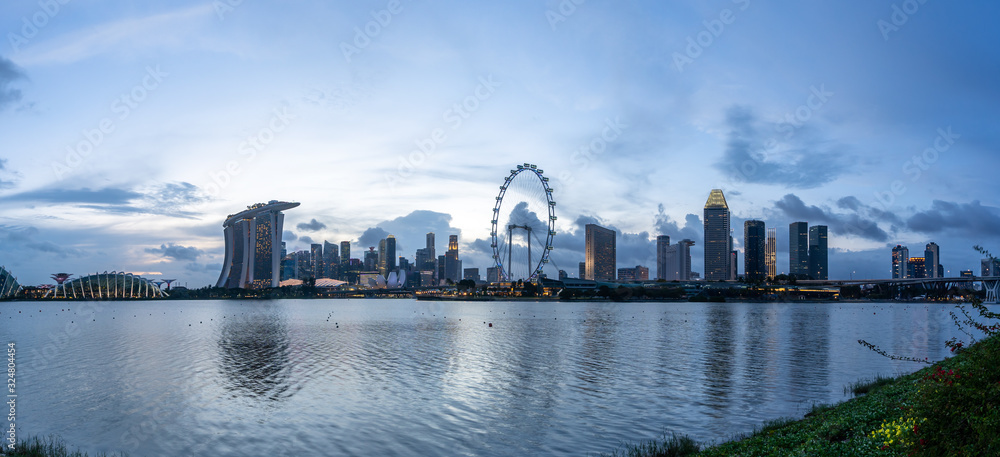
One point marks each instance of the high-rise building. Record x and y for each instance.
(492, 274)
(818, 252)
(563, 275)
(316, 260)
(771, 252)
(932, 256)
(626, 275)
(900, 259)
(471, 273)
(734, 261)
(916, 268)
(600, 253)
(441, 276)
(677, 261)
(390, 254)
(430, 245)
(453, 266)
(798, 249)
(253, 246)
(718, 245)
(754, 253)
(331, 259)
(381, 265)
(990, 267)
(371, 260)
(345, 253)
(583, 270)
(662, 244)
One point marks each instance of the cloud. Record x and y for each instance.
(862, 221)
(9, 73)
(165, 199)
(753, 155)
(693, 228)
(311, 226)
(177, 252)
(288, 236)
(971, 219)
(306, 240)
(372, 236)
(23, 237)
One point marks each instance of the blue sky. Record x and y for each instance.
(131, 130)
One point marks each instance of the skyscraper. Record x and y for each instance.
(900, 259)
(345, 253)
(771, 252)
(717, 239)
(253, 246)
(331, 259)
(430, 246)
(600, 253)
(316, 260)
(818, 252)
(754, 240)
(390, 254)
(583, 270)
(916, 268)
(452, 266)
(677, 261)
(932, 259)
(798, 249)
(662, 243)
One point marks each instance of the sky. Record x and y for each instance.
(128, 132)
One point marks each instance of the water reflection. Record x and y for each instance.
(719, 359)
(254, 358)
(808, 368)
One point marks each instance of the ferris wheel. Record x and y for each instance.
(524, 222)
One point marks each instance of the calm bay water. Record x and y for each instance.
(406, 377)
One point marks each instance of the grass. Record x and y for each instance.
(44, 447)
(866, 385)
(950, 408)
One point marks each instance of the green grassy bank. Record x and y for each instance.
(949, 408)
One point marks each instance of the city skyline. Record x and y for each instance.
(130, 131)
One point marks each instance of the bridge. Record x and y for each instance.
(990, 283)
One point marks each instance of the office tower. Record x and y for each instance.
(583, 270)
(316, 260)
(492, 274)
(390, 254)
(684, 259)
(734, 260)
(381, 266)
(754, 252)
(284, 251)
(626, 274)
(331, 260)
(641, 273)
(600, 253)
(662, 243)
(717, 240)
(441, 276)
(303, 265)
(916, 268)
(990, 268)
(430, 246)
(818, 252)
(253, 242)
(371, 259)
(453, 266)
(932, 256)
(471, 273)
(345, 253)
(900, 258)
(798, 249)
(771, 252)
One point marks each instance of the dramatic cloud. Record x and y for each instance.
(755, 155)
(23, 237)
(288, 236)
(693, 228)
(371, 237)
(177, 252)
(8, 74)
(311, 226)
(861, 222)
(972, 219)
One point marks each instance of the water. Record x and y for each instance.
(406, 377)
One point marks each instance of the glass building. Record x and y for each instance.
(718, 244)
(601, 258)
(754, 243)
